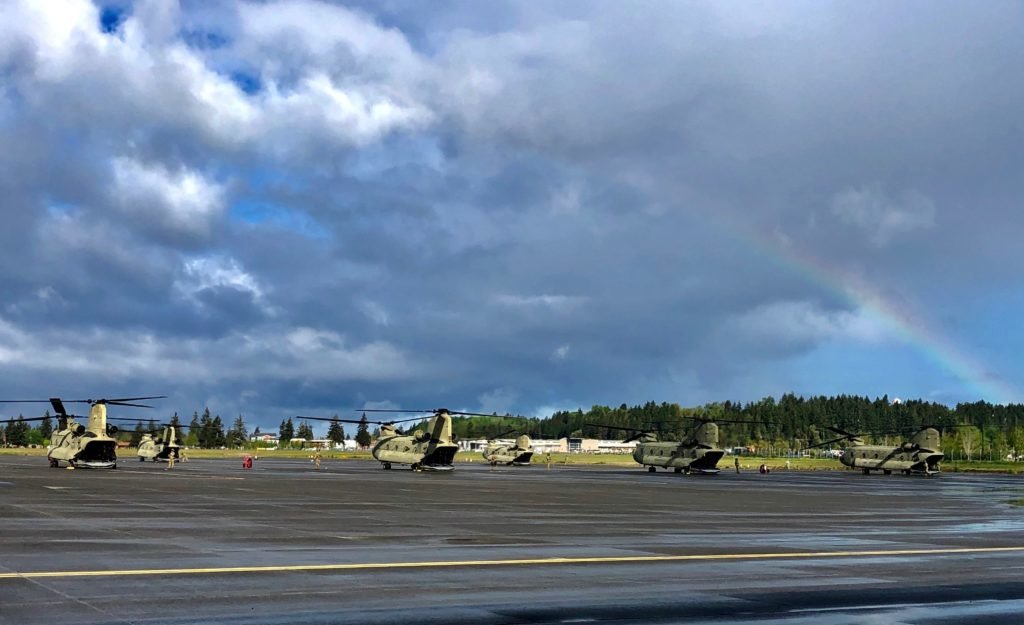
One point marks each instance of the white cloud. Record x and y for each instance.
(375, 312)
(183, 201)
(555, 302)
(150, 78)
(318, 108)
(270, 352)
(561, 353)
(217, 272)
(881, 216)
(799, 324)
(499, 400)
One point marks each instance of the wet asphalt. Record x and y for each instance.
(155, 544)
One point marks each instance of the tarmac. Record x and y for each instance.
(209, 542)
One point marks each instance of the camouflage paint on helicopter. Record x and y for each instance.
(921, 454)
(697, 452)
(518, 453)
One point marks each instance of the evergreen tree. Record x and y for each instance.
(46, 426)
(305, 431)
(175, 421)
(192, 439)
(363, 432)
(336, 433)
(16, 432)
(205, 431)
(238, 434)
(217, 437)
(287, 431)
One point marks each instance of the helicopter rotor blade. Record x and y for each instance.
(827, 443)
(114, 400)
(25, 419)
(635, 436)
(124, 403)
(434, 411)
(505, 433)
(420, 418)
(838, 430)
(614, 427)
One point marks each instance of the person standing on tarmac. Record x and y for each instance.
(737, 463)
(316, 459)
(170, 461)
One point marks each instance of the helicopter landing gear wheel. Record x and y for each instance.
(415, 466)
(54, 464)
(142, 459)
(686, 470)
(651, 469)
(905, 471)
(867, 471)
(386, 466)
(887, 472)
(679, 469)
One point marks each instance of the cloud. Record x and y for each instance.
(498, 400)
(554, 302)
(794, 326)
(438, 202)
(375, 312)
(561, 353)
(207, 274)
(268, 353)
(183, 201)
(882, 217)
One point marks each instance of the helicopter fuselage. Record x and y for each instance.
(81, 447)
(156, 450)
(159, 447)
(508, 454)
(888, 459)
(418, 452)
(679, 456)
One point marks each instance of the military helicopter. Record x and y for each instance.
(161, 443)
(518, 453)
(91, 445)
(921, 454)
(430, 449)
(698, 452)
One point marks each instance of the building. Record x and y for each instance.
(597, 446)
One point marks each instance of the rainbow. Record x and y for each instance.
(900, 320)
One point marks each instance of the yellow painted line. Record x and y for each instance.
(362, 566)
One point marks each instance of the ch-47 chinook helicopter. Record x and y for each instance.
(921, 454)
(431, 448)
(518, 453)
(697, 452)
(91, 445)
(159, 444)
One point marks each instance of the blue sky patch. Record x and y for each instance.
(111, 18)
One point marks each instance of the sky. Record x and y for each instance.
(304, 207)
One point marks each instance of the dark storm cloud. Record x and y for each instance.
(297, 205)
